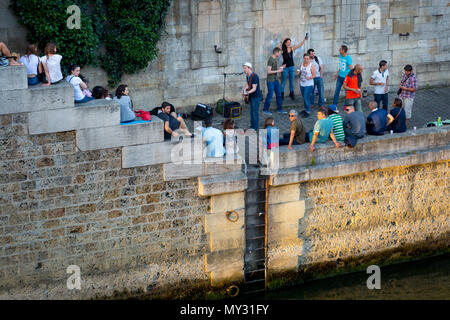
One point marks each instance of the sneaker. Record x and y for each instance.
(282, 111)
(292, 95)
(305, 114)
(267, 113)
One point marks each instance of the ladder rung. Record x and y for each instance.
(256, 202)
(257, 270)
(256, 238)
(254, 281)
(255, 226)
(251, 250)
(257, 260)
(253, 291)
(256, 214)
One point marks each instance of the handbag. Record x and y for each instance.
(144, 115)
(399, 91)
(4, 62)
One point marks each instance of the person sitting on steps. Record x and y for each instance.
(171, 121)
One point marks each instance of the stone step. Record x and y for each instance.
(12, 78)
(120, 135)
(37, 98)
(93, 114)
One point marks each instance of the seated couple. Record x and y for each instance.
(322, 132)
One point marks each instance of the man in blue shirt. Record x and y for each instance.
(214, 140)
(345, 65)
(323, 130)
(378, 120)
(253, 90)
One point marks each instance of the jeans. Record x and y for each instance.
(354, 102)
(85, 99)
(306, 93)
(382, 97)
(271, 87)
(254, 113)
(284, 75)
(318, 83)
(33, 81)
(285, 140)
(339, 83)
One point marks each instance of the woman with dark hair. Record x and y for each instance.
(99, 92)
(31, 61)
(126, 107)
(52, 65)
(230, 138)
(78, 85)
(288, 61)
(269, 125)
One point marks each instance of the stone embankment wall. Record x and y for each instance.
(188, 70)
(110, 199)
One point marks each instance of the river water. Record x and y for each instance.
(422, 279)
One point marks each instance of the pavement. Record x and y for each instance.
(429, 104)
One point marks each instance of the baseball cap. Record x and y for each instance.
(248, 64)
(333, 107)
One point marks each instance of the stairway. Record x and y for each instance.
(255, 261)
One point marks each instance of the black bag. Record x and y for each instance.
(202, 112)
(232, 110)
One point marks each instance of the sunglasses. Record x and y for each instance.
(291, 116)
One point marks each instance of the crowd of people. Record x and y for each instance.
(330, 125)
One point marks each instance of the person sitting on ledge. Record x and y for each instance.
(214, 140)
(98, 92)
(229, 136)
(354, 126)
(78, 85)
(6, 53)
(269, 125)
(378, 120)
(126, 106)
(297, 131)
(171, 121)
(52, 65)
(338, 126)
(31, 61)
(323, 130)
(398, 125)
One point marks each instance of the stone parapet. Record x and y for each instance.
(13, 78)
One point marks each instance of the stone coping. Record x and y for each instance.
(13, 78)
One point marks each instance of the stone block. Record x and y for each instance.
(284, 194)
(230, 239)
(403, 25)
(225, 202)
(174, 171)
(12, 78)
(404, 8)
(120, 135)
(147, 154)
(230, 183)
(96, 113)
(222, 165)
(37, 98)
(283, 263)
(224, 259)
(288, 212)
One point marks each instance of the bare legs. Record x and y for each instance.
(5, 51)
(182, 124)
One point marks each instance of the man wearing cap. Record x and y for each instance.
(338, 126)
(252, 89)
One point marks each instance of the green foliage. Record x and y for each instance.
(129, 31)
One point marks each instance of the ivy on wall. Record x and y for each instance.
(119, 35)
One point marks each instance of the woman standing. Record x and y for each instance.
(288, 61)
(126, 108)
(307, 74)
(31, 61)
(52, 65)
(78, 85)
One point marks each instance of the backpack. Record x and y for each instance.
(202, 112)
(144, 115)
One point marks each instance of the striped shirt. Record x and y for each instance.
(338, 127)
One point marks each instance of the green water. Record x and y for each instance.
(423, 279)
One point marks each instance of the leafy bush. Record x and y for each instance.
(129, 31)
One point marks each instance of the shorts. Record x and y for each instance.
(408, 104)
(174, 124)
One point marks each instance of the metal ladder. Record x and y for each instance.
(255, 256)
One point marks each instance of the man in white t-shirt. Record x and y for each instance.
(214, 140)
(318, 80)
(380, 79)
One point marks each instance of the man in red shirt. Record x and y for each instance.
(352, 84)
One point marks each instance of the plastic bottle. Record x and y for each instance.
(439, 122)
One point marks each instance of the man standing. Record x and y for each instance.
(352, 84)
(297, 134)
(272, 83)
(380, 79)
(318, 80)
(345, 65)
(378, 120)
(253, 91)
(408, 87)
(323, 130)
(354, 126)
